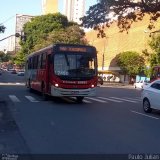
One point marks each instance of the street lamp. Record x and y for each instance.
(104, 50)
(16, 35)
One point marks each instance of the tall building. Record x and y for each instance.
(20, 21)
(74, 10)
(11, 44)
(49, 6)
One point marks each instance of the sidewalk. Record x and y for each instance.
(117, 84)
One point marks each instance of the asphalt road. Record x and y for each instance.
(111, 123)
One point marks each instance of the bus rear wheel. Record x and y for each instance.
(80, 99)
(29, 86)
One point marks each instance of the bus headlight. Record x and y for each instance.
(56, 85)
(92, 86)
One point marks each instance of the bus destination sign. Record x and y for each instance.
(72, 49)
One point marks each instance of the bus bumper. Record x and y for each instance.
(90, 92)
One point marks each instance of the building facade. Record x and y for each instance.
(20, 21)
(74, 10)
(49, 6)
(116, 42)
(11, 44)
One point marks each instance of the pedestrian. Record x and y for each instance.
(132, 80)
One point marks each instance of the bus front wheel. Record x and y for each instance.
(80, 99)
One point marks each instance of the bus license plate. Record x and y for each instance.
(75, 92)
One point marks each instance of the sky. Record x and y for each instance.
(9, 9)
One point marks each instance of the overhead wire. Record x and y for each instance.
(8, 19)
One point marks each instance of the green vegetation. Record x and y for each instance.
(2, 28)
(155, 46)
(4, 57)
(152, 58)
(131, 63)
(48, 29)
(96, 15)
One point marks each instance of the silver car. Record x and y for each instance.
(151, 96)
(140, 84)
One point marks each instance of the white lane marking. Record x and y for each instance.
(68, 99)
(109, 99)
(134, 99)
(31, 99)
(98, 100)
(127, 100)
(137, 97)
(144, 115)
(14, 98)
(12, 84)
(84, 100)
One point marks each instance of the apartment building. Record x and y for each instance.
(74, 10)
(20, 21)
(49, 6)
(11, 43)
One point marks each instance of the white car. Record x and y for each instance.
(151, 96)
(140, 84)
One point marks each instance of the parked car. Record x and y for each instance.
(20, 73)
(151, 96)
(100, 80)
(13, 71)
(140, 84)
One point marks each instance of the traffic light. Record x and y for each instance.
(2, 28)
(23, 38)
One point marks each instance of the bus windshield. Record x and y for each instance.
(75, 65)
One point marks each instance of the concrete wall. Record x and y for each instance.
(116, 42)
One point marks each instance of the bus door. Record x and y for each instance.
(49, 72)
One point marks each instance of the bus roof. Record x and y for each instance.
(58, 45)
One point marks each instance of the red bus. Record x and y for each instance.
(63, 70)
(155, 73)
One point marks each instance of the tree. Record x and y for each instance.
(130, 62)
(44, 30)
(4, 57)
(19, 59)
(2, 28)
(155, 46)
(126, 12)
(154, 56)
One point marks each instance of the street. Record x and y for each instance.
(111, 123)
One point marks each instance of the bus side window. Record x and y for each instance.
(50, 59)
(36, 62)
(43, 61)
(28, 64)
(33, 62)
(39, 61)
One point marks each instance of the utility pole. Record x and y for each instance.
(16, 35)
(104, 50)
